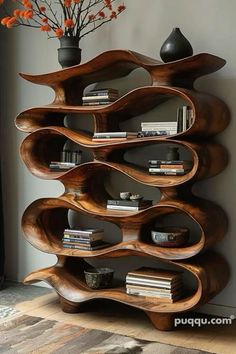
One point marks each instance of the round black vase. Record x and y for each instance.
(172, 153)
(69, 53)
(175, 47)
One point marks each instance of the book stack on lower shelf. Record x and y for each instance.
(169, 167)
(87, 240)
(128, 205)
(100, 97)
(164, 285)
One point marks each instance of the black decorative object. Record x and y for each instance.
(175, 47)
(69, 53)
(172, 153)
(99, 278)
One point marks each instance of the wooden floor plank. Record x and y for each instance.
(129, 322)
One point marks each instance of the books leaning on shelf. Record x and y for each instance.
(172, 167)
(128, 205)
(161, 128)
(114, 136)
(87, 239)
(184, 118)
(100, 97)
(162, 284)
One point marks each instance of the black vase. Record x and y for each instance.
(172, 153)
(69, 53)
(175, 47)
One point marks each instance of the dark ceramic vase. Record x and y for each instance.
(69, 53)
(175, 47)
(172, 154)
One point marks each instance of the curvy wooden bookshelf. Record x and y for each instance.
(45, 219)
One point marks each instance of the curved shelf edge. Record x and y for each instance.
(44, 222)
(213, 112)
(182, 72)
(212, 275)
(47, 142)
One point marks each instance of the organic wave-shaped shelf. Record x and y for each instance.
(38, 149)
(118, 63)
(134, 103)
(45, 219)
(211, 277)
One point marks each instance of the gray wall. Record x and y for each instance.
(210, 27)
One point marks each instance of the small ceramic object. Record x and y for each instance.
(136, 197)
(172, 153)
(99, 278)
(125, 195)
(170, 236)
(175, 47)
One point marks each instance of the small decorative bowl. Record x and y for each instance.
(99, 278)
(136, 197)
(170, 236)
(125, 195)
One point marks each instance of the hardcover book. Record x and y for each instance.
(114, 134)
(171, 162)
(148, 294)
(157, 273)
(92, 248)
(132, 203)
(126, 207)
(83, 231)
(79, 237)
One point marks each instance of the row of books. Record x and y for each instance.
(165, 285)
(100, 97)
(160, 128)
(128, 205)
(69, 159)
(184, 118)
(84, 239)
(172, 167)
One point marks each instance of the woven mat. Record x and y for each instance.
(20, 333)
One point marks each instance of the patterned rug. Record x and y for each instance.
(23, 334)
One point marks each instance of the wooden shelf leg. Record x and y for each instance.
(162, 321)
(69, 307)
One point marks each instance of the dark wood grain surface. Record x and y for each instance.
(85, 193)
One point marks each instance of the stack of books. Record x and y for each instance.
(159, 128)
(162, 284)
(172, 167)
(184, 118)
(86, 239)
(128, 205)
(114, 136)
(100, 97)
